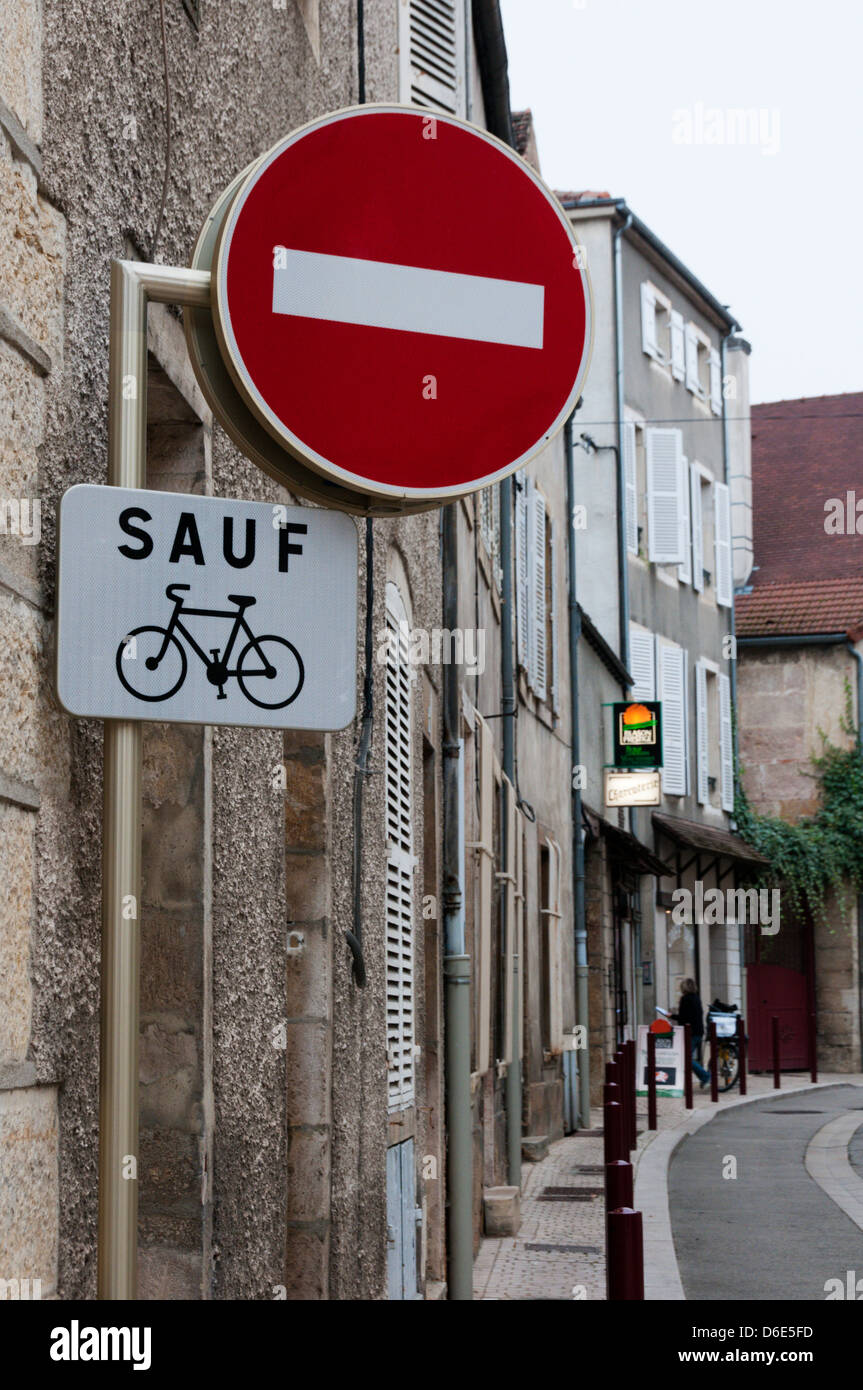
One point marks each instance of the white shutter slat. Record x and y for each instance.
(400, 860)
(697, 524)
(693, 381)
(521, 572)
(726, 744)
(432, 54)
(701, 746)
(671, 679)
(631, 489)
(684, 569)
(678, 346)
(722, 543)
(537, 635)
(642, 664)
(715, 382)
(664, 483)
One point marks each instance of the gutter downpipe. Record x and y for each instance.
(859, 659)
(492, 59)
(582, 993)
(622, 575)
(456, 964)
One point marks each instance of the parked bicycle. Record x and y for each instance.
(727, 1052)
(269, 669)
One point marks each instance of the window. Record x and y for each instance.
(715, 382)
(684, 569)
(432, 54)
(489, 528)
(722, 543)
(655, 324)
(550, 948)
(702, 367)
(696, 510)
(714, 737)
(400, 859)
(642, 664)
(678, 347)
(536, 600)
(665, 482)
(671, 690)
(630, 474)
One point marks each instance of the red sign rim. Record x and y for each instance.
(260, 407)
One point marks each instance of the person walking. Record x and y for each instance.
(690, 1011)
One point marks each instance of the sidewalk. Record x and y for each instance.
(559, 1252)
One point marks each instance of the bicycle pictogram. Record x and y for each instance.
(159, 652)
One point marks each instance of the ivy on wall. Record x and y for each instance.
(821, 854)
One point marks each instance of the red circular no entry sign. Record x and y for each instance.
(401, 302)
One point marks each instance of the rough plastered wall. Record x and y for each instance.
(81, 166)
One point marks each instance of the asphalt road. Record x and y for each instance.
(769, 1233)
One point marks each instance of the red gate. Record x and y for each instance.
(775, 991)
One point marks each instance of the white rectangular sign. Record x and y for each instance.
(632, 788)
(670, 1062)
(202, 610)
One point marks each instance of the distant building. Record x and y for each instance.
(800, 645)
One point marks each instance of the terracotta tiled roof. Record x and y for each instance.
(805, 453)
(522, 125)
(585, 195)
(814, 605)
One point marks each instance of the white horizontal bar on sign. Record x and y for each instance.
(407, 298)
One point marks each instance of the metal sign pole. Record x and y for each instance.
(132, 285)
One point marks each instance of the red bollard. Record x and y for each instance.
(618, 1184)
(776, 1078)
(620, 1063)
(687, 1065)
(741, 1055)
(651, 1084)
(714, 1063)
(624, 1255)
(813, 1049)
(613, 1132)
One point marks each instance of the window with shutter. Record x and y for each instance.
(684, 569)
(432, 54)
(489, 527)
(664, 487)
(642, 664)
(630, 474)
(553, 624)
(678, 346)
(715, 382)
(671, 681)
(485, 883)
(648, 321)
(400, 859)
(551, 928)
(722, 543)
(697, 527)
(726, 744)
(701, 734)
(691, 350)
(538, 666)
(521, 567)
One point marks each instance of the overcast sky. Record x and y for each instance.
(626, 95)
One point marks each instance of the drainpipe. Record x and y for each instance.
(622, 575)
(508, 709)
(581, 971)
(456, 965)
(859, 659)
(727, 480)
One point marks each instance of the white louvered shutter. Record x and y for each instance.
(664, 486)
(684, 569)
(555, 635)
(722, 543)
(521, 571)
(432, 54)
(642, 664)
(648, 321)
(631, 490)
(678, 346)
(671, 680)
(537, 635)
(702, 750)
(400, 861)
(715, 382)
(726, 744)
(697, 524)
(693, 382)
